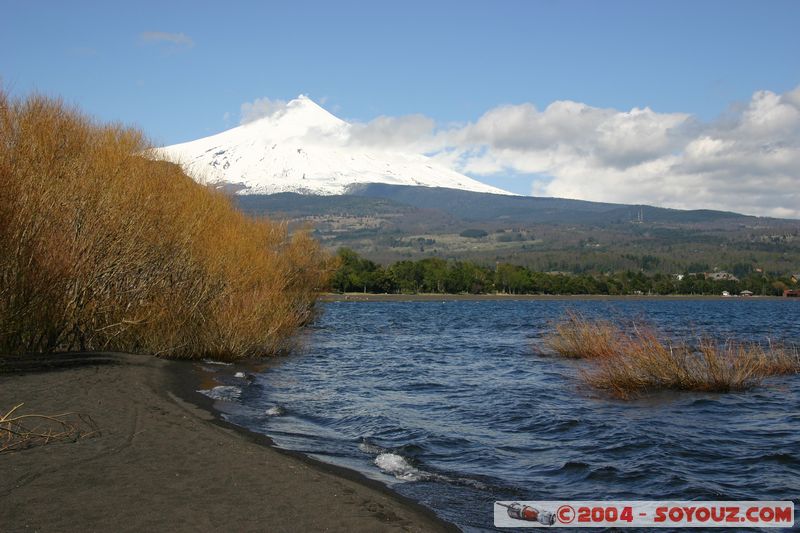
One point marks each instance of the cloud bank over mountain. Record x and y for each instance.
(298, 146)
(747, 160)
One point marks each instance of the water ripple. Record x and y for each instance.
(459, 404)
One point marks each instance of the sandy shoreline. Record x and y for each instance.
(164, 462)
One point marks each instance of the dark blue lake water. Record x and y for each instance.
(456, 405)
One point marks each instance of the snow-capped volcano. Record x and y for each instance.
(304, 148)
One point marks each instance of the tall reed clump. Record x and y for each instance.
(627, 364)
(102, 248)
(577, 337)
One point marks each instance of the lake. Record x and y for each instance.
(458, 404)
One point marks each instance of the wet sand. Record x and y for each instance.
(162, 461)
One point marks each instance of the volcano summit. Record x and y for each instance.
(305, 149)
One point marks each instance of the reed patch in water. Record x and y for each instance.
(629, 363)
(577, 337)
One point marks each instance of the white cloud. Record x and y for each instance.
(260, 108)
(409, 132)
(748, 160)
(176, 39)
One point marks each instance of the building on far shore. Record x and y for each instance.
(721, 276)
(791, 293)
(746, 293)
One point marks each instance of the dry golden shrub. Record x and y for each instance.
(103, 248)
(577, 337)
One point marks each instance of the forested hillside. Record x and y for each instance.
(387, 224)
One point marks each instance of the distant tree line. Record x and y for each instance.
(435, 275)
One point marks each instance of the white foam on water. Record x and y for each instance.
(396, 465)
(240, 375)
(212, 362)
(399, 467)
(223, 392)
(275, 411)
(470, 483)
(371, 449)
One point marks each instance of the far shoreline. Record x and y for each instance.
(435, 297)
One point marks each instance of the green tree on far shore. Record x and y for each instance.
(436, 275)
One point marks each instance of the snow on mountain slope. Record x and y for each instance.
(303, 148)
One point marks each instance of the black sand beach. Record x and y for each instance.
(162, 463)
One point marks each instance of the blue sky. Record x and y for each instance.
(176, 69)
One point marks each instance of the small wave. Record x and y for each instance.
(572, 470)
(240, 375)
(223, 392)
(467, 482)
(396, 465)
(781, 458)
(574, 466)
(372, 449)
(700, 402)
(548, 427)
(212, 362)
(426, 386)
(275, 410)
(569, 423)
(604, 473)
